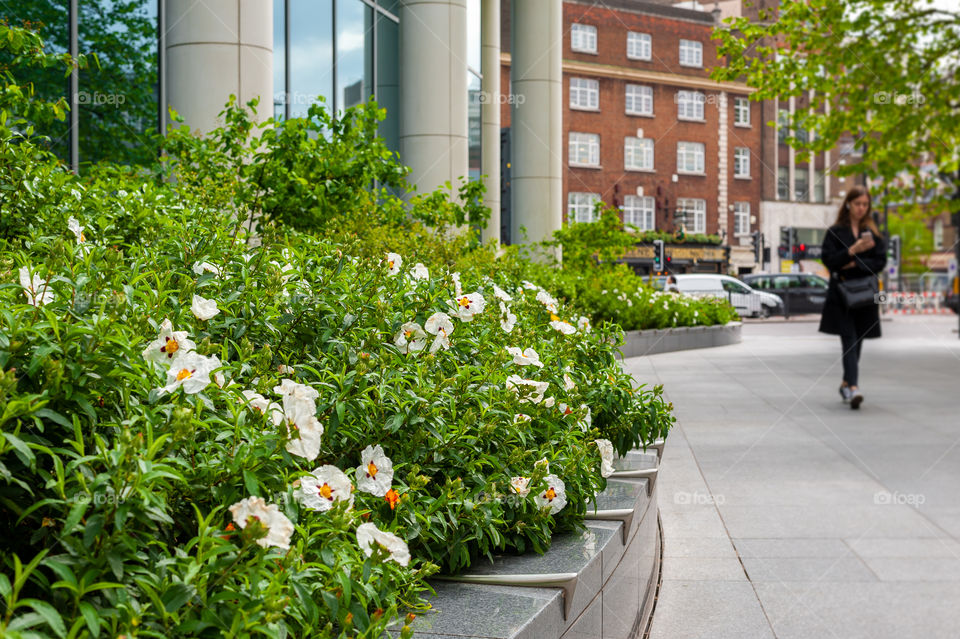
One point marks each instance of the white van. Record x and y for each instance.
(747, 301)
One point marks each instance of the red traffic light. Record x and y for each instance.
(803, 247)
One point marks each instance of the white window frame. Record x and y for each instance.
(637, 154)
(741, 218)
(741, 111)
(584, 94)
(741, 162)
(584, 149)
(691, 53)
(580, 206)
(638, 94)
(583, 38)
(690, 105)
(694, 151)
(639, 212)
(698, 208)
(639, 46)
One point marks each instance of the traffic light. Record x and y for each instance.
(757, 237)
(893, 253)
(788, 240)
(658, 256)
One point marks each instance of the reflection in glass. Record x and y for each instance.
(279, 63)
(473, 126)
(354, 53)
(311, 54)
(388, 75)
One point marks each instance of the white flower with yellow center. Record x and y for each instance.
(560, 325)
(190, 371)
(530, 286)
(501, 294)
(525, 357)
(169, 345)
(375, 472)
(279, 528)
(554, 496)
(324, 486)
(411, 338)
(300, 416)
(439, 324)
(547, 300)
(527, 389)
(204, 309)
(205, 267)
(260, 404)
(466, 306)
(419, 272)
(394, 262)
(520, 485)
(74, 226)
(36, 289)
(583, 323)
(521, 418)
(606, 456)
(507, 319)
(369, 534)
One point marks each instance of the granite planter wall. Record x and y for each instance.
(597, 584)
(665, 340)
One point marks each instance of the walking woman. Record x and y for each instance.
(852, 250)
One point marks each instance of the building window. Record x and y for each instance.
(691, 53)
(584, 94)
(580, 206)
(639, 99)
(639, 46)
(638, 154)
(741, 162)
(783, 183)
(819, 194)
(638, 212)
(801, 184)
(693, 212)
(690, 105)
(938, 235)
(741, 218)
(783, 130)
(690, 157)
(584, 149)
(741, 111)
(583, 38)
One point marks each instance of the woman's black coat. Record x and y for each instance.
(836, 318)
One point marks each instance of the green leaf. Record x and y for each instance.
(177, 595)
(90, 616)
(49, 614)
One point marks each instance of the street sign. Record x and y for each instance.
(952, 266)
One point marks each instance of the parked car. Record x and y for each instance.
(748, 302)
(951, 299)
(801, 292)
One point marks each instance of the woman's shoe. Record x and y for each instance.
(856, 398)
(845, 392)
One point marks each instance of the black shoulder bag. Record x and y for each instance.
(858, 292)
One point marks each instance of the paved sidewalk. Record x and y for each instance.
(788, 515)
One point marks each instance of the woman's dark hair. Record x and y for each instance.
(843, 215)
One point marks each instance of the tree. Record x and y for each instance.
(883, 71)
(117, 97)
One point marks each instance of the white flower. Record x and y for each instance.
(520, 485)
(583, 323)
(564, 327)
(204, 309)
(568, 384)
(369, 534)
(549, 402)
(36, 289)
(547, 300)
(501, 294)
(520, 418)
(466, 306)
(191, 371)
(457, 289)
(169, 345)
(200, 267)
(530, 286)
(279, 528)
(419, 272)
(554, 496)
(410, 338)
(527, 389)
(375, 472)
(299, 414)
(606, 456)
(526, 357)
(394, 262)
(286, 271)
(286, 370)
(324, 486)
(439, 324)
(76, 229)
(262, 405)
(288, 387)
(586, 422)
(508, 320)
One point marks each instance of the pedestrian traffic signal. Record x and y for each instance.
(893, 253)
(658, 256)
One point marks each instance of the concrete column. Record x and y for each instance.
(490, 113)
(536, 126)
(216, 48)
(433, 91)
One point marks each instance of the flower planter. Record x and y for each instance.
(665, 340)
(600, 583)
